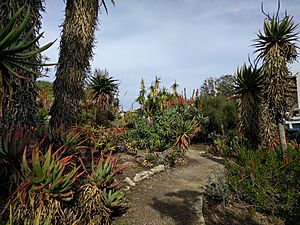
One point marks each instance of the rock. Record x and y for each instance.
(158, 169)
(127, 188)
(198, 207)
(129, 181)
(142, 175)
(216, 185)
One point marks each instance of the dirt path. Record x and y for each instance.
(172, 197)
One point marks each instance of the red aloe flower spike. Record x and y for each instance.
(182, 100)
(252, 164)
(286, 160)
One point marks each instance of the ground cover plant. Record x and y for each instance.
(268, 183)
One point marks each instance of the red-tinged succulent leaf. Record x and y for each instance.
(80, 174)
(66, 160)
(35, 188)
(82, 164)
(47, 160)
(24, 162)
(23, 197)
(58, 151)
(118, 170)
(36, 161)
(22, 186)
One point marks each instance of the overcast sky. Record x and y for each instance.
(182, 40)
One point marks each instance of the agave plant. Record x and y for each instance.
(15, 54)
(276, 47)
(249, 84)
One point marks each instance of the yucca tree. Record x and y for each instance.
(141, 99)
(76, 51)
(103, 88)
(103, 92)
(174, 89)
(156, 85)
(153, 101)
(164, 96)
(276, 47)
(248, 88)
(21, 110)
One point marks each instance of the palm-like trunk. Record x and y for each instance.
(277, 95)
(75, 52)
(276, 47)
(21, 110)
(249, 119)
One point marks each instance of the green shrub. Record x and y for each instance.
(166, 128)
(266, 181)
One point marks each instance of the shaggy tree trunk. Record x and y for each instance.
(76, 45)
(282, 139)
(20, 107)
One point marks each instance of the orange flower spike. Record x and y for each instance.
(286, 160)
(252, 164)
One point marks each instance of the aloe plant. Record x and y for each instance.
(112, 197)
(47, 173)
(37, 220)
(105, 170)
(15, 56)
(184, 133)
(13, 143)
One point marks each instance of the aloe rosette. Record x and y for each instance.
(47, 172)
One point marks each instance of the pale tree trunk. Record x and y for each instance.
(282, 139)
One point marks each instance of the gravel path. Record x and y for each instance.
(173, 197)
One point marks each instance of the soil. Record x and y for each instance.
(175, 196)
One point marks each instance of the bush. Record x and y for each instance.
(267, 182)
(166, 128)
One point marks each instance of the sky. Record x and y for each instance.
(183, 40)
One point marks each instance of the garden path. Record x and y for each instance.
(174, 196)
